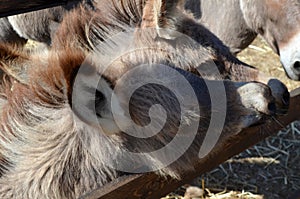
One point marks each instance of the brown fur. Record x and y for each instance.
(212, 49)
(47, 151)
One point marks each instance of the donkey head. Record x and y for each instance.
(279, 23)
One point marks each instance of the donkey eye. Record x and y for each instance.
(99, 96)
(100, 102)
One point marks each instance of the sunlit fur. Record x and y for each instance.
(48, 151)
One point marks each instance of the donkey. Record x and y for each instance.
(41, 25)
(229, 66)
(58, 135)
(8, 35)
(37, 25)
(238, 22)
(45, 23)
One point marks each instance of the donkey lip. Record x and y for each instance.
(295, 76)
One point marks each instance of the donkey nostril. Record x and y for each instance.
(297, 65)
(272, 108)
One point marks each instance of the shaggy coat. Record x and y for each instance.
(48, 150)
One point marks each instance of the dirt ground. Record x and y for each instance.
(268, 170)
(260, 55)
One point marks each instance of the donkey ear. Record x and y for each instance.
(161, 14)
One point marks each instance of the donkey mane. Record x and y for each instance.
(86, 30)
(47, 150)
(27, 121)
(92, 27)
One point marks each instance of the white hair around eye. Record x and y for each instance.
(91, 102)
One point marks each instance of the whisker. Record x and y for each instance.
(277, 121)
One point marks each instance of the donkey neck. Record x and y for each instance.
(222, 18)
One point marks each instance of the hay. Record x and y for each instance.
(260, 55)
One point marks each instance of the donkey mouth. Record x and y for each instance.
(292, 74)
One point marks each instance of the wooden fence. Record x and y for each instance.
(150, 185)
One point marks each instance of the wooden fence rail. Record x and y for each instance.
(11, 7)
(152, 186)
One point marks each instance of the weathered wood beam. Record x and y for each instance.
(152, 186)
(9, 7)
